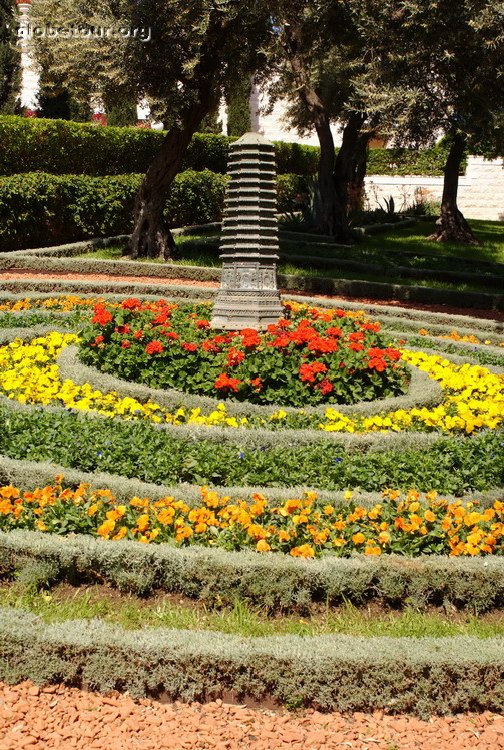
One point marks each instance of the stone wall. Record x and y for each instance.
(480, 196)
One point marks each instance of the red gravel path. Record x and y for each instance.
(64, 718)
(15, 274)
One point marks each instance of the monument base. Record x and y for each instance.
(238, 308)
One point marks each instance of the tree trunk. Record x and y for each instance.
(451, 225)
(329, 213)
(151, 236)
(346, 169)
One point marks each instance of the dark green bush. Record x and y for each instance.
(62, 147)
(39, 209)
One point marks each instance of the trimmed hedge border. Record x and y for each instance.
(57, 259)
(315, 285)
(60, 146)
(423, 676)
(275, 582)
(402, 315)
(423, 391)
(27, 475)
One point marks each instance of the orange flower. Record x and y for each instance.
(303, 551)
(262, 546)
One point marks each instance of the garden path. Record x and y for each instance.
(26, 275)
(64, 718)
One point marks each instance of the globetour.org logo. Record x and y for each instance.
(31, 31)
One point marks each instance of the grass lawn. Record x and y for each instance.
(405, 247)
(64, 602)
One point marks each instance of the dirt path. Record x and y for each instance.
(15, 274)
(64, 718)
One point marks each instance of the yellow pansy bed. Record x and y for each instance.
(473, 396)
(300, 527)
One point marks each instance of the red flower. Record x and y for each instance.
(154, 347)
(131, 304)
(170, 335)
(99, 339)
(161, 318)
(126, 344)
(356, 336)
(356, 346)
(224, 381)
(281, 341)
(250, 338)
(234, 357)
(323, 346)
(375, 327)
(202, 324)
(325, 386)
(123, 329)
(189, 347)
(334, 331)
(101, 315)
(307, 371)
(377, 363)
(256, 383)
(138, 334)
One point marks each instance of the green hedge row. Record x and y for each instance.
(275, 583)
(75, 207)
(225, 457)
(63, 147)
(422, 676)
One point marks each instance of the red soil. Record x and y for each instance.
(64, 718)
(14, 274)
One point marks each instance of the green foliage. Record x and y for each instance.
(402, 161)
(423, 676)
(10, 59)
(277, 583)
(238, 108)
(253, 457)
(62, 147)
(121, 113)
(78, 206)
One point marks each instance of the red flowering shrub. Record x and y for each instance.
(310, 356)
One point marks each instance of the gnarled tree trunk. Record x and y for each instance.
(451, 225)
(151, 236)
(350, 167)
(330, 214)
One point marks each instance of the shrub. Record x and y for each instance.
(76, 207)
(60, 147)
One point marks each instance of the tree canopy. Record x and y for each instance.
(10, 58)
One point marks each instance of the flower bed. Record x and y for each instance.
(301, 527)
(252, 545)
(310, 356)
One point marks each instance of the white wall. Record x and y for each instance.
(480, 192)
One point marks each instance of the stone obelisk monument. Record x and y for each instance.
(248, 296)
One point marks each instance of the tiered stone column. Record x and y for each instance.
(248, 296)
